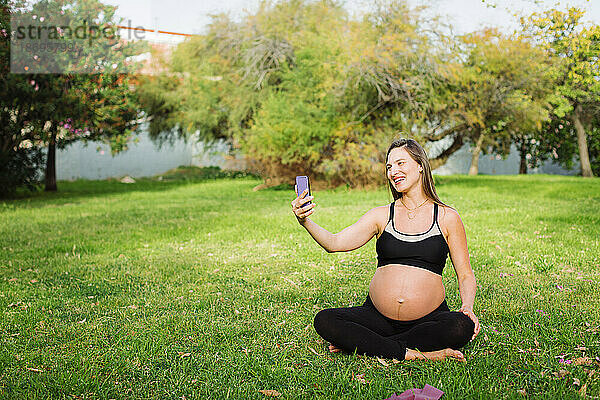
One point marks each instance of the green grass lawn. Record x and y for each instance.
(185, 289)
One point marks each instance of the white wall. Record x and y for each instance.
(94, 160)
(460, 161)
(79, 161)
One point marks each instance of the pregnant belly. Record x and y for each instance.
(406, 293)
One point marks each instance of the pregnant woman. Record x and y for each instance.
(405, 315)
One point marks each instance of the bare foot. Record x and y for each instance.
(334, 349)
(434, 355)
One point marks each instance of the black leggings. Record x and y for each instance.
(369, 332)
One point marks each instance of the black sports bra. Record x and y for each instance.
(427, 250)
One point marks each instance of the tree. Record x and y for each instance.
(84, 102)
(214, 83)
(574, 49)
(394, 82)
(18, 166)
(299, 86)
(500, 90)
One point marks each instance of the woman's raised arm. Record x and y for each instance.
(350, 238)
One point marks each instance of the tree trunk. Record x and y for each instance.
(51, 165)
(586, 168)
(523, 156)
(474, 170)
(443, 157)
(523, 166)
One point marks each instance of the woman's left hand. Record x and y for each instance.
(469, 312)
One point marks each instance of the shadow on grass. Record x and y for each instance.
(73, 190)
(547, 186)
(557, 186)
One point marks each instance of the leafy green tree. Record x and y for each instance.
(19, 162)
(393, 82)
(574, 48)
(498, 92)
(55, 110)
(299, 86)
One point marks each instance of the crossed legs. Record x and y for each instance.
(365, 330)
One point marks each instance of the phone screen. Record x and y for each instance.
(301, 185)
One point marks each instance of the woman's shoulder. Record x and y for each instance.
(448, 215)
(380, 214)
(380, 210)
(385, 207)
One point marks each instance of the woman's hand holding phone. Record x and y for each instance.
(298, 205)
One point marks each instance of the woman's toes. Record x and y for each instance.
(334, 349)
(455, 353)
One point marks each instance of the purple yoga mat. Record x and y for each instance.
(427, 393)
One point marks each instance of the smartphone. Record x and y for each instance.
(301, 185)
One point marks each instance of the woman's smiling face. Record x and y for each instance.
(402, 170)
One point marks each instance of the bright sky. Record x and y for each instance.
(191, 16)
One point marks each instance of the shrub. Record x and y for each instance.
(20, 168)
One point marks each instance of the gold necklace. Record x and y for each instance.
(408, 210)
